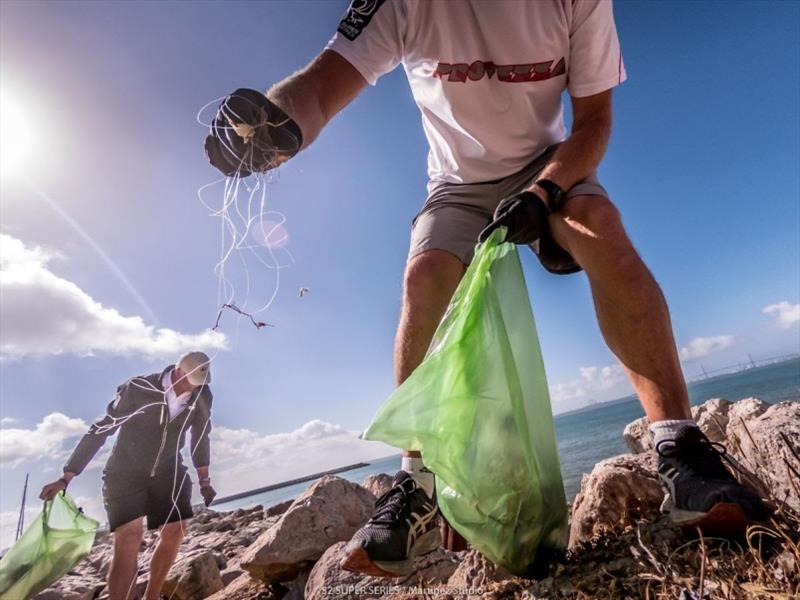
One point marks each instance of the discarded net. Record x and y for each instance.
(52, 544)
(478, 409)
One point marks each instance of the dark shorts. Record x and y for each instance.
(165, 498)
(454, 214)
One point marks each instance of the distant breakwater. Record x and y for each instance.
(276, 486)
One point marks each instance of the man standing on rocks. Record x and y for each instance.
(145, 475)
(488, 79)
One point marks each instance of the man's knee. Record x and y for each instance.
(173, 531)
(595, 214)
(430, 274)
(130, 533)
(590, 224)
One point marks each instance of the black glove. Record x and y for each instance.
(525, 215)
(251, 134)
(208, 493)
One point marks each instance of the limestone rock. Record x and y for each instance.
(378, 484)
(278, 509)
(478, 573)
(297, 589)
(244, 587)
(328, 580)
(621, 489)
(193, 578)
(637, 436)
(229, 574)
(768, 446)
(329, 511)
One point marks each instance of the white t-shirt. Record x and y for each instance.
(175, 403)
(487, 75)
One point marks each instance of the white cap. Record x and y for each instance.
(196, 367)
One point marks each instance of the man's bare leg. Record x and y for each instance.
(122, 574)
(633, 316)
(387, 544)
(631, 309)
(169, 541)
(430, 280)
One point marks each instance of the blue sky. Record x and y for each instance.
(703, 164)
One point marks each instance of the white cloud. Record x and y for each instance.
(7, 421)
(786, 314)
(45, 441)
(703, 346)
(593, 382)
(242, 459)
(44, 314)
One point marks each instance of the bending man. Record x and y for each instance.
(488, 79)
(145, 475)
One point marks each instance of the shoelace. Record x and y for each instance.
(702, 456)
(393, 504)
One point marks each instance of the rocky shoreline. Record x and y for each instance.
(619, 546)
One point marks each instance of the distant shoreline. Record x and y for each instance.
(283, 484)
(631, 397)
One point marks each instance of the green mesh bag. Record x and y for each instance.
(478, 409)
(52, 544)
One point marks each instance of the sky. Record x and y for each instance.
(108, 254)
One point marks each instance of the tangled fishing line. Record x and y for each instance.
(250, 233)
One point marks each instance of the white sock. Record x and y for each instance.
(665, 431)
(413, 466)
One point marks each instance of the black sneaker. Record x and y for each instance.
(700, 490)
(403, 527)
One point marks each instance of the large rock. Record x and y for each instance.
(378, 484)
(329, 511)
(243, 587)
(278, 509)
(769, 446)
(619, 490)
(193, 578)
(475, 575)
(329, 580)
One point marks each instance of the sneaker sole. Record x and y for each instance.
(724, 519)
(358, 561)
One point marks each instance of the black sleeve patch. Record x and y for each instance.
(358, 17)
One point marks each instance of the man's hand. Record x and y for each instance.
(208, 493)
(52, 489)
(251, 134)
(525, 215)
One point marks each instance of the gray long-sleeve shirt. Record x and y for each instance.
(148, 441)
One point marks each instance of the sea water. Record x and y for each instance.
(591, 434)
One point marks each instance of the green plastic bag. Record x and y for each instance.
(478, 409)
(52, 544)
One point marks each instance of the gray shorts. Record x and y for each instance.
(454, 214)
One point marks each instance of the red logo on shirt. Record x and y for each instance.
(478, 69)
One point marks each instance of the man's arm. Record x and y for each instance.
(200, 445)
(314, 94)
(525, 214)
(88, 446)
(582, 151)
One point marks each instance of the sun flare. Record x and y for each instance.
(16, 138)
